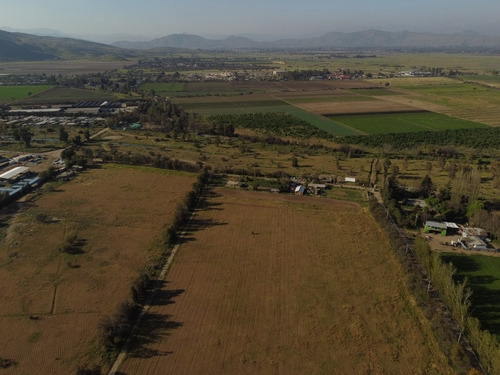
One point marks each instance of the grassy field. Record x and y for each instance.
(487, 79)
(403, 122)
(164, 89)
(250, 293)
(483, 275)
(63, 66)
(12, 93)
(119, 220)
(65, 95)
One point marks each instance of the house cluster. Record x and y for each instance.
(469, 238)
(301, 186)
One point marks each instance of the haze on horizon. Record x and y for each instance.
(110, 20)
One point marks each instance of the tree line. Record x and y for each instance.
(480, 138)
(446, 327)
(272, 123)
(115, 329)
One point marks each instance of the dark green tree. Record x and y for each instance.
(63, 134)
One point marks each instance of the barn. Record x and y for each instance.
(14, 173)
(434, 226)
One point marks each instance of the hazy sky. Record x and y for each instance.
(155, 18)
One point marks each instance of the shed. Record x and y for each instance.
(300, 190)
(467, 232)
(434, 226)
(476, 243)
(13, 173)
(317, 188)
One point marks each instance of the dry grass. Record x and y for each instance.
(119, 215)
(271, 284)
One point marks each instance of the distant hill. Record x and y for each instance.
(372, 39)
(189, 41)
(27, 47)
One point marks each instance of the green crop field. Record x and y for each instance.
(483, 273)
(61, 95)
(228, 109)
(323, 123)
(165, 89)
(251, 105)
(404, 122)
(11, 93)
(373, 92)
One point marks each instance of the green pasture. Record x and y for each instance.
(62, 95)
(208, 106)
(164, 89)
(403, 122)
(323, 123)
(373, 92)
(12, 93)
(483, 273)
(488, 79)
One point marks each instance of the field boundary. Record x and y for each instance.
(158, 284)
(395, 233)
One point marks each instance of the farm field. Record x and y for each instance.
(404, 122)
(274, 284)
(11, 93)
(65, 95)
(482, 273)
(52, 300)
(493, 80)
(62, 67)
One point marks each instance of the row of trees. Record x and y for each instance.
(457, 296)
(441, 323)
(481, 138)
(273, 123)
(115, 330)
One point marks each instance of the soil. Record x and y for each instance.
(278, 284)
(52, 301)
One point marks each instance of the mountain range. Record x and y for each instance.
(368, 39)
(27, 47)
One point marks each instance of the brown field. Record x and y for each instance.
(326, 85)
(62, 67)
(273, 284)
(119, 215)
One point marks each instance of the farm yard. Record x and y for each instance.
(249, 292)
(54, 295)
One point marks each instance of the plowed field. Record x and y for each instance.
(51, 301)
(273, 284)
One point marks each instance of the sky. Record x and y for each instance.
(263, 19)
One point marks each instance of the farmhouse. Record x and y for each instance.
(350, 179)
